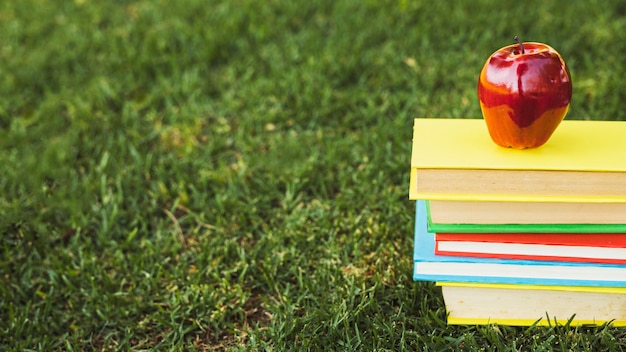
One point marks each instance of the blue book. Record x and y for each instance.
(431, 267)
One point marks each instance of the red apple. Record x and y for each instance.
(524, 91)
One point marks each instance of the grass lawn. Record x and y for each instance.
(233, 175)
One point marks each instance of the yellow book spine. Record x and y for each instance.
(595, 289)
(529, 322)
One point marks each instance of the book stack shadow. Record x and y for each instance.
(522, 237)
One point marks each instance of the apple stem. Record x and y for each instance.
(521, 45)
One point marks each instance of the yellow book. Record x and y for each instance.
(525, 305)
(455, 159)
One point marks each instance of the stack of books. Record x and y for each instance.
(522, 237)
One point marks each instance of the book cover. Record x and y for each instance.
(454, 159)
(431, 267)
(573, 247)
(523, 227)
(524, 305)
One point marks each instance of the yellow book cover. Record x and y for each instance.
(524, 305)
(455, 159)
(597, 289)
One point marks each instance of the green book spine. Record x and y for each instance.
(527, 228)
(522, 228)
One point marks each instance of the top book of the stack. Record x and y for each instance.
(455, 159)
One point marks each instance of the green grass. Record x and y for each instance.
(232, 175)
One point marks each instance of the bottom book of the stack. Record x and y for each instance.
(523, 305)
